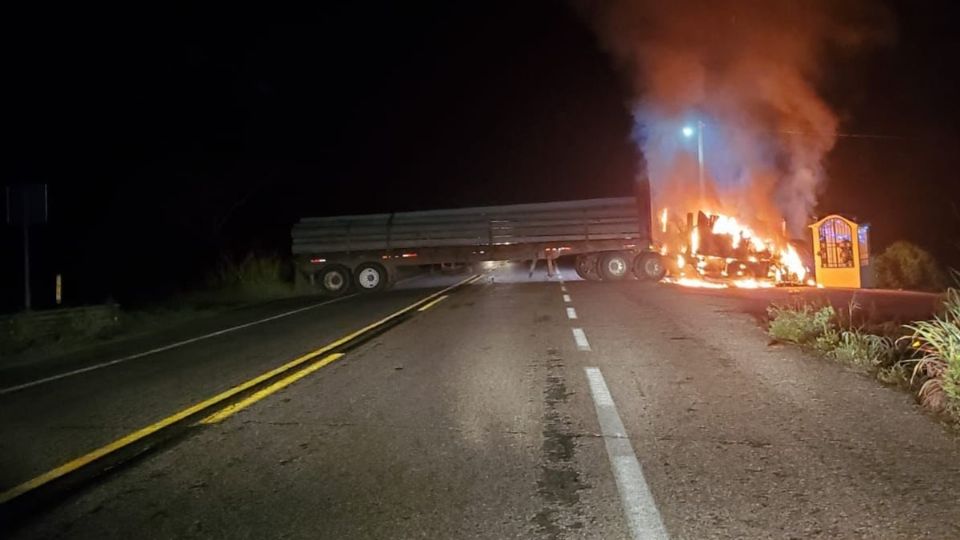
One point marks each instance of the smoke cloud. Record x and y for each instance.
(744, 72)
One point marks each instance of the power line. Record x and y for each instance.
(735, 127)
(848, 135)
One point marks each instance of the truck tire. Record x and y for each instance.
(614, 266)
(452, 268)
(370, 277)
(586, 267)
(334, 279)
(649, 265)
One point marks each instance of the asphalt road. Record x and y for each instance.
(868, 305)
(44, 424)
(655, 412)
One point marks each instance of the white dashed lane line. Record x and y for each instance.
(581, 338)
(640, 509)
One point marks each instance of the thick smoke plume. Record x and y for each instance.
(744, 71)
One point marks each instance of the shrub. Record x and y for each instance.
(63, 326)
(827, 341)
(906, 266)
(252, 277)
(938, 343)
(862, 349)
(803, 324)
(822, 330)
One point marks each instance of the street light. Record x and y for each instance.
(688, 132)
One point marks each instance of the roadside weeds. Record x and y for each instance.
(20, 349)
(922, 357)
(35, 336)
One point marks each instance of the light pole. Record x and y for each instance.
(688, 132)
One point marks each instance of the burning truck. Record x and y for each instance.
(610, 240)
(706, 249)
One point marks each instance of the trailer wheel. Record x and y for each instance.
(649, 265)
(452, 268)
(370, 277)
(586, 267)
(614, 266)
(334, 279)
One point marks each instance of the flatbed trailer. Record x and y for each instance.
(610, 238)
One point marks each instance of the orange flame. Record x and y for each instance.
(759, 262)
(737, 232)
(790, 259)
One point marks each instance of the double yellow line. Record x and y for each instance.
(223, 397)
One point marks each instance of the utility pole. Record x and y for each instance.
(688, 133)
(26, 206)
(703, 186)
(27, 304)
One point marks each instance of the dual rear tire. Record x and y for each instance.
(334, 279)
(370, 277)
(649, 265)
(617, 265)
(586, 267)
(337, 279)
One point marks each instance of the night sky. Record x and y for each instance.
(174, 136)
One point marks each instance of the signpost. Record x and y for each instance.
(26, 206)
